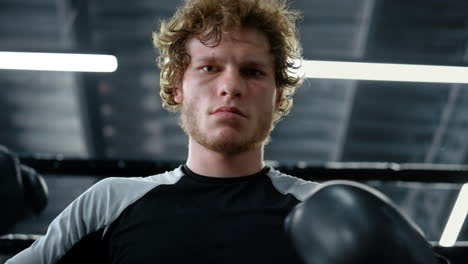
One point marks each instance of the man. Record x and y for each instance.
(226, 68)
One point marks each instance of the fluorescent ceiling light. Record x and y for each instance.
(57, 62)
(383, 71)
(456, 219)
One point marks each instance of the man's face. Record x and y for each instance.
(228, 92)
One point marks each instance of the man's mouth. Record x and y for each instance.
(230, 109)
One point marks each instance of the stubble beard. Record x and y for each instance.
(225, 144)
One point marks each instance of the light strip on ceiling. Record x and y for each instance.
(456, 219)
(383, 71)
(57, 62)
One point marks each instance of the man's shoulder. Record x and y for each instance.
(287, 184)
(90, 215)
(112, 195)
(129, 183)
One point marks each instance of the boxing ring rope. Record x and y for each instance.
(357, 171)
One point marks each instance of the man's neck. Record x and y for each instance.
(214, 164)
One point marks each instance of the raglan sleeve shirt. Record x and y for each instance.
(174, 216)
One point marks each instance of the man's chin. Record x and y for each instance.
(229, 143)
(230, 147)
(229, 139)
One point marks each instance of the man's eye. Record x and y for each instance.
(208, 68)
(253, 72)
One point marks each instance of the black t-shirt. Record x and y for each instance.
(177, 217)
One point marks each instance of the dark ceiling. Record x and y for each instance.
(119, 115)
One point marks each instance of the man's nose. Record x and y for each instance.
(231, 84)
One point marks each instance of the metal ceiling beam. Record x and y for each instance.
(75, 21)
(360, 44)
(437, 153)
(464, 153)
(441, 130)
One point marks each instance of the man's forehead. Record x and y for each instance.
(250, 42)
(249, 36)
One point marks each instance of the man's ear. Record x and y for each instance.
(279, 94)
(177, 90)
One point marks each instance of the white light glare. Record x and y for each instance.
(456, 219)
(57, 62)
(382, 71)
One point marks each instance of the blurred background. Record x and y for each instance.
(119, 115)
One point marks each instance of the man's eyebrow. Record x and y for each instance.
(206, 59)
(257, 63)
(250, 62)
(260, 64)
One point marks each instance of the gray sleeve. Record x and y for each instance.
(94, 209)
(81, 217)
(286, 184)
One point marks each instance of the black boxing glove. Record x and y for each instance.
(22, 190)
(348, 222)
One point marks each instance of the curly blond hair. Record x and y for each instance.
(207, 19)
